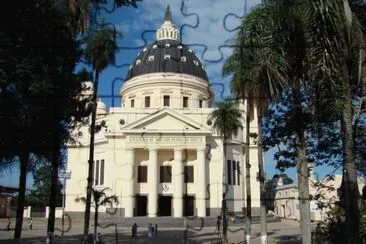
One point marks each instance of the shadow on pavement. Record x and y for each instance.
(288, 239)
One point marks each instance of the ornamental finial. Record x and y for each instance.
(168, 14)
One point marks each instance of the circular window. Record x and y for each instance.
(209, 122)
(80, 133)
(122, 121)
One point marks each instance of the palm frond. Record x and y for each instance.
(101, 47)
(227, 119)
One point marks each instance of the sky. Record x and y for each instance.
(205, 25)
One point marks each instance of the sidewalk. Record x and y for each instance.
(285, 231)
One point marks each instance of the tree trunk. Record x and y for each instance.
(96, 223)
(350, 194)
(302, 170)
(223, 205)
(24, 160)
(303, 185)
(247, 176)
(349, 180)
(54, 184)
(90, 161)
(263, 211)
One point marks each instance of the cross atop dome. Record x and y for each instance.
(167, 31)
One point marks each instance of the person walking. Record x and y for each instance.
(30, 223)
(150, 229)
(9, 223)
(134, 230)
(218, 223)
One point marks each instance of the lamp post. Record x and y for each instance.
(65, 175)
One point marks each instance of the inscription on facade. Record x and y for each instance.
(164, 140)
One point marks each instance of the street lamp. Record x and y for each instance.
(65, 175)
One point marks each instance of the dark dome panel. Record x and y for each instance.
(167, 56)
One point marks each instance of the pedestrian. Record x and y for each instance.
(134, 230)
(150, 229)
(30, 223)
(218, 222)
(9, 223)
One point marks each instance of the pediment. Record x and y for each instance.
(165, 120)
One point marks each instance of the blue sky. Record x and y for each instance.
(202, 26)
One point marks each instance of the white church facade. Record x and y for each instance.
(158, 152)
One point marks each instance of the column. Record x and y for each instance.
(129, 181)
(201, 182)
(178, 177)
(153, 182)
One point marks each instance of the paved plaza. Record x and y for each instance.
(279, 231)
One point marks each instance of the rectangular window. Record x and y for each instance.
(166, 101)
(238, 171)
(200, 103)
(97, 173)
(147, 102)
(132, 103)
(188, 174)
(102, 172)
(185, 102)
(141, 174)
(229, 172)
(165, 174)
(234, 172)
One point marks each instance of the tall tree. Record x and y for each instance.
(100, 51)
(335, 68)
(35, 71)
(258, 76)
(227, 119)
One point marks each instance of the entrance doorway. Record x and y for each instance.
(188, 205)
(141, 205)
(165, 206)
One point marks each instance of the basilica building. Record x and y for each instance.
(158, 151)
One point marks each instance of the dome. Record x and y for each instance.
(101, 107)
(167, 54)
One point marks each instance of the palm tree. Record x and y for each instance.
(227, 119)
(319, 43)
(100, 51)
(259, 76)
(100, 198)
(336, 62)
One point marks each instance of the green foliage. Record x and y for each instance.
(37, 83)
(40, 194)
(101, 47)
(100, 198)
(272, 183)
(227, 119)
(259, 71)
(333, 229)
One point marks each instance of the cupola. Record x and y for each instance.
(167, 31)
